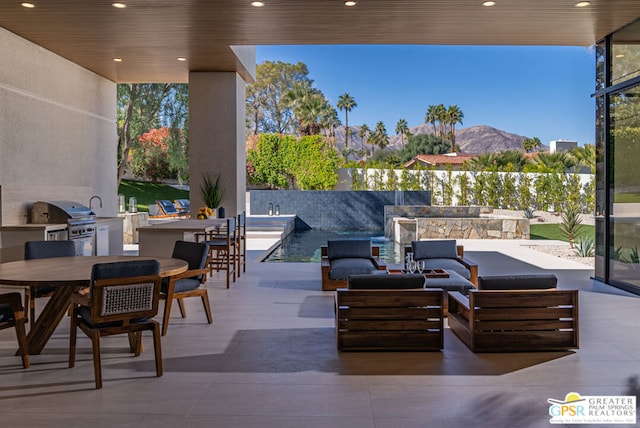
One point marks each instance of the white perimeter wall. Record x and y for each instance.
(57, 131)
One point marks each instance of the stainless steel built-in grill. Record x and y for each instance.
(81, 222)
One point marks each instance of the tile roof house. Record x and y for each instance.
(456, 160)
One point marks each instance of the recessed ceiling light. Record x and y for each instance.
(119, 5)
(28, 5)
(489, 3)
(350, 3)
(257, 3)
(583, 4)
(181, 58)
(117, 60)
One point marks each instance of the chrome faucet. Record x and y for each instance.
(91, 200)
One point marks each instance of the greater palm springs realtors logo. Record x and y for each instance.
(606, 409)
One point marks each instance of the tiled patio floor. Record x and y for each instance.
(269, 360)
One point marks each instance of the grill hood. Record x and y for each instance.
(59, 212)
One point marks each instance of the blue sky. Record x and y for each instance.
(534, 91)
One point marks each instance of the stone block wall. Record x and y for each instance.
(406, 230)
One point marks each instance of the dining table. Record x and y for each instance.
(67, 275)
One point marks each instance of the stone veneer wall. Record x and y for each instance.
(406, 224)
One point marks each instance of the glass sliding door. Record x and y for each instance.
(618, 158)
(624, 187)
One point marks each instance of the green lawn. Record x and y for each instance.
(552, 231)
(147, 193)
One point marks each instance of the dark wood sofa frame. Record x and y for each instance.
(389, 320)
(515, 320)
(329, 284)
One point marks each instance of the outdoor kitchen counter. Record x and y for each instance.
(32, 226)
(157, 240)
(14, 236)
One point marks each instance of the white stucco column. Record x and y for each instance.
(217, 136)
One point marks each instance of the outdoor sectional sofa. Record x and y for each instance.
(516, 313)
(341, 258)
(389, 313)
(444, 254)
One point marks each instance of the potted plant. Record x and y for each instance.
(211, 191)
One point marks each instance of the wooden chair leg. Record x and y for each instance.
(183, 311)
(207, 307)
(228, 270)
(97, 364)
(157, 348)
(167, 314)
(137, 343)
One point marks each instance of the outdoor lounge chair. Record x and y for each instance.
(183, 206)
(444, 254)
(389, 319)
(341, 258)
(515, 320)
(163, 208)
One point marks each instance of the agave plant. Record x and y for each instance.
(571, 224)
(585, 246)
(528, 213)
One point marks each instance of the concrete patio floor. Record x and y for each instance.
(269, 360)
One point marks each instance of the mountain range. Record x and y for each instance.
(472, 140)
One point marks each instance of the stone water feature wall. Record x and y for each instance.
(409, 223)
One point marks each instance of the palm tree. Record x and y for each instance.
(330, 121)
(430, 117)
(380, 136)
(441, 117)
(483, 162)
(531, 144)
(454, 116)
(402, 128)
(558, 162)
(346, 103)
(585, 156)
(364, 133)
(309, 112)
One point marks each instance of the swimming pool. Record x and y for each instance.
(304, 246)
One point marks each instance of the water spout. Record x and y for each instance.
(92, 198)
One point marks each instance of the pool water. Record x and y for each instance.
(304, 246)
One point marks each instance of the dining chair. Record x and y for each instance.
(12, 315)
(241, 243)
(222, 250)
(123, 297)
(43, 250)
(188, 283)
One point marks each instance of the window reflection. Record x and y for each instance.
(625, 54)
(624, 263)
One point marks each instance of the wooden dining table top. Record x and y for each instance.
(72, 270)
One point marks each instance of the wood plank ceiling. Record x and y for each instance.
(149, 35)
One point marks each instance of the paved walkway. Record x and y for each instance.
(269, 360)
